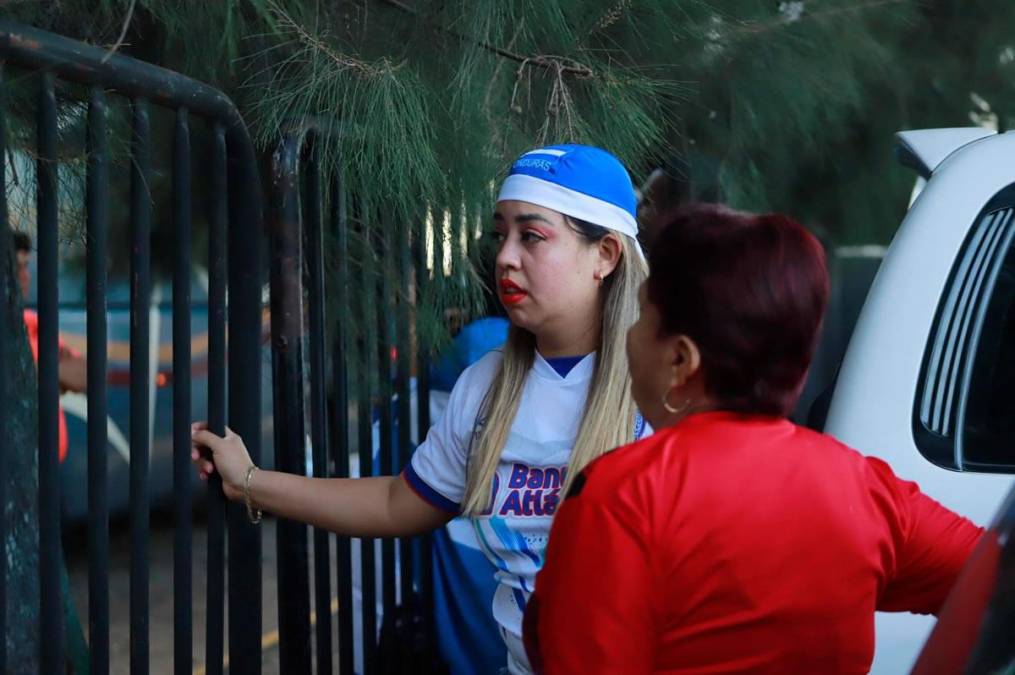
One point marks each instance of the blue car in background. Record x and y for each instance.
(73, 332)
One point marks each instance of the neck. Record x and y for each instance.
(572, 343)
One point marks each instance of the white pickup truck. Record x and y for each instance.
(928, 379)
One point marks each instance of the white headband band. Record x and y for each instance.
(572, 203)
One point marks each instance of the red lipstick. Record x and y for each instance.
(510, 292)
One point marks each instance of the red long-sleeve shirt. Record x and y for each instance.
(736, 544)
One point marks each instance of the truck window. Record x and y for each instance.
(964, 417)
(988, 433)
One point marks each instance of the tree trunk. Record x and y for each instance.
(18, 452)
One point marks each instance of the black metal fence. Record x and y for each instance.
(234, 264)
(309, 203)
(340, 360)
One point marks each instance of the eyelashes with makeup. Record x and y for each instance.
(527, 237)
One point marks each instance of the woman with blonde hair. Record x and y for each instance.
(524, 419)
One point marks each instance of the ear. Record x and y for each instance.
(610, 249)
(686, 360)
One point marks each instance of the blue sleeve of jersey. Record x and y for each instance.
(428, 494)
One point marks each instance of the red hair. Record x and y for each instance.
(751, 291)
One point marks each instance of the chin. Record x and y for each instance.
(519, 317)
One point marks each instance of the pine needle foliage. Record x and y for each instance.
(765, 104)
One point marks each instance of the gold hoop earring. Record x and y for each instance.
(679, 409)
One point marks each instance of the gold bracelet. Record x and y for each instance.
(253, 515)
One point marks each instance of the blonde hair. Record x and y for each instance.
(608, 419)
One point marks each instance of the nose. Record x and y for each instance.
(507, 254)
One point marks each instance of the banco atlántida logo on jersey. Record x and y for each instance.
(529, 491)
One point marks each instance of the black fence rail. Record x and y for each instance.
(339, 360)
(235, 226)
(372, 354)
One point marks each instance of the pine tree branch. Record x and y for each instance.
(558, 64)
(314, 42)
(123, 32)
(613, 15)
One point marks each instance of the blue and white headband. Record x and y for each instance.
(580, 181)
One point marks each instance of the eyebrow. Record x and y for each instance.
(529, 217)
(523, 218)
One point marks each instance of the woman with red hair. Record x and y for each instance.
(733, 540)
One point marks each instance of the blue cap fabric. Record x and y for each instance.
(580, 181)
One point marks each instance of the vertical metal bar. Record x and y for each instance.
(423, 420)
(364, 427)
(183, 648)
(140, 376)
(52, 627)
(318, 438)
(290, 444)
(97, 201)
(215, 620)
(245, 412)
(340, 434)
(384, 343)
(423, 281)
(404, 347)
(7, 322)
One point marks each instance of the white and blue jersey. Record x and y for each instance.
(528, 482)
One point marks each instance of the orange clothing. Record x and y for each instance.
(32, 326)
